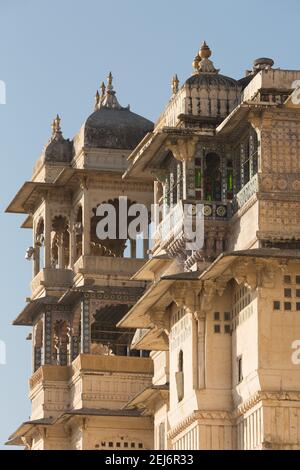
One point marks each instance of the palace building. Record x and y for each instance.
(139, 345)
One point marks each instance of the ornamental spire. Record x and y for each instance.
(202, 63)
(56, 129)
(175, 83)
(108, 98)
(97, 99)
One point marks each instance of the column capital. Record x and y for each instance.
(183, 148)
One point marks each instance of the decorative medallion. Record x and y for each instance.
(221, 211)
(207, 210)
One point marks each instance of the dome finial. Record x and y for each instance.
(108, 97)
(175, 83)
(56, 129)
(204, 51)
(202, 63)
(102, 88)
(109, 82)
(97, 100)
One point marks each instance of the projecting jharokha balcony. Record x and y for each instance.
(105, 264)
(91, 381)
(185, 216)
(50, 278)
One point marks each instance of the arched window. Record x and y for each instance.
(179, 377)
(180, 361)
(212, 178)
(78, 232)
(38, 244)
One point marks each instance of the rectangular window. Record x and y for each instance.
(297, 279)
(297, 306)
(217, 316)
(240, 369)
(227, 329)
(287, 306)
(287, 292)
(227, 316)
(276, 305)
(297, 292)
(287, 279)
(217, 328)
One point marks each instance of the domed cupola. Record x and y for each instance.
(58, 149)
(204, 99)
(113, 126)
(212, 95)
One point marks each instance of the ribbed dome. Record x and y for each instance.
(111, 125)
(212, 80)
(116, 128)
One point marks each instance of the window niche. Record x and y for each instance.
(179, 377)
(212, 178)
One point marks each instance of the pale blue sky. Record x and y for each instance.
(53, 55)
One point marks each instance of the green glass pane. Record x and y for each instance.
(198, 177)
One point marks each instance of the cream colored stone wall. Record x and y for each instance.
(161, 367)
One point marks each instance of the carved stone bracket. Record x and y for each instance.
(255, 273)
(183, 149)
(160, 319)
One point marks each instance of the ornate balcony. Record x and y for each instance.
(245, 193)
(51, 278)
(101, 265)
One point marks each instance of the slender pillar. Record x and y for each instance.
(86, 218)
(201, 350)
(60, 249)
(242, 161)
(48, 229)
(72, 242)
(85, 326)
(47, 338)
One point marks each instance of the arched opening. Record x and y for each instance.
(61, 342)
(179, 377)
(39, 241)
(212, 178)
(38, 345)
(78, 227)
(60, 242)
(112, 246)
(180, 361)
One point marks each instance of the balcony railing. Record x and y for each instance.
(104, 264)
(245, 193)
(51, 277)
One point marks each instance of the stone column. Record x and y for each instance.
(74, 347)
(201, 320)
(72, 241)
(86, 219)
(48, 229)
(188, 167)
(85, 326)
(47, 337)
(179, 181)
(60, 250)
(242, 161)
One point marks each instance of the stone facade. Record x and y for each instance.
(188, 348)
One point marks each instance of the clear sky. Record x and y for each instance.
(53, 56)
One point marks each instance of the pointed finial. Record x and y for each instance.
(108, 97)
(205, 51)
(97, 99)
(56, 126)
(196, 62)
(102, 88)
(175, 83)
(109, 81)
